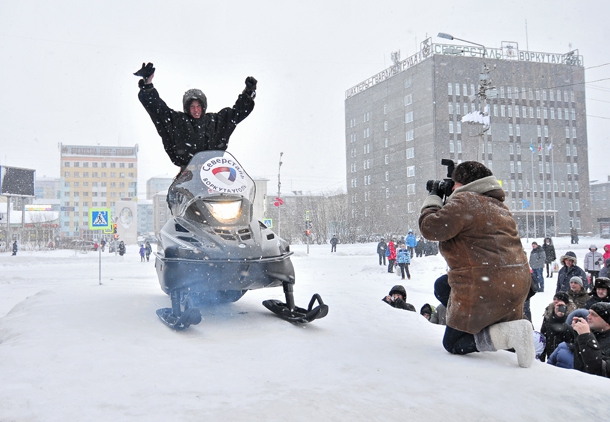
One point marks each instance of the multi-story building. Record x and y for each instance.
(600, 206)
(47, 188)
(157, 184)
(94, 176)
(401, 122)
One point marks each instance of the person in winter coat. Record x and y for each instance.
(563, 356)
(605, 271)
(606, 252)
(142, 253)
(148, 250)
(550, 256)
(15, 248)
(567, 271)
(122, 248)
(403, 259)
(592, 344)
(537, 260)
(593, 262)
(397, 298)
(391, 254)
(601, 292)
(554, 327)
(440, 315)
(411, 242)
(381, 248)
(186, 133)
(577, 292)
(333, 243)
(574, 236)
(419, 248)
(489, 276)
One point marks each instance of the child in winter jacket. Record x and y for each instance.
(403, 259)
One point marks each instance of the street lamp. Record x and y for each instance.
(279, 184)
(486, 90)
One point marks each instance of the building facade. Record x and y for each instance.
(94, 176)
(401, 122)
(600, 207)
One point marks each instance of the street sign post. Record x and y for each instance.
(99, 219)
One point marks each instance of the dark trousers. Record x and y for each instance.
(382, 257)
(391, 265)
(333, 248)
(404, 268)
(455, 341)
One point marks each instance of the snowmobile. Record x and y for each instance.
(213, 250)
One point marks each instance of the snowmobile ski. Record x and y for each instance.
(298, 315)
(191, 316)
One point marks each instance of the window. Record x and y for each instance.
(457, 89)
(385, 126)
(516, 111)
(574, 132)
(387, 192)
(458, 127)
(450, 88)
(451, 146)
(546, 131)
(539, 130)
(545, 113)
(569, 168)
(552, 113)
(572, 96)
(501, 92)
(565, 114)
(512, 166)
(510, 130)
(531, 92)
(518, 148)
(409, 117)
(567, 132)
(450, 127)
(457, 109)
(410, 152)
(409, 135)
(387, 176)
(575, 168)
(563, 184)
(459, 147)
(451, 108)
(503, 111)
(573, 114)
(551, 95)
(537, 112)
(519, 167)
(510, 111)
(410, 171)
(511, 148)
(386, 142)
(465, 89)
(387, 159)
(385, 109)
(411, 189)
(524, 109)
(531, 112)
(408, 99)
(558, 95)
(538, 94)
(544, 94)
(517, 130)
(472, 89)
(495, 110)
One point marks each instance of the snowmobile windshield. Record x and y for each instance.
(213, 179)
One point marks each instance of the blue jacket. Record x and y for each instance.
(411, 241)
(403, 256)
(562, 357)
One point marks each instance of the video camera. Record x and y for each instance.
(445, 186)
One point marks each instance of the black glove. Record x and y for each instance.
(436, 189)
(145, 71)
(251, 84)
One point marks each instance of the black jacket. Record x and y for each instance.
(183, 136)
(592, 353)
(555, 330)
(549, 251)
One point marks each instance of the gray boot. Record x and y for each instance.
(516, 335)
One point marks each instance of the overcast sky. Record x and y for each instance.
(66, 72)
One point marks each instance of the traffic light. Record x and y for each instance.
(114, 228)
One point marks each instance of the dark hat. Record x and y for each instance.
(602, 283)
(192, 95)
(426, 309)
(603, 310)
(400, 290)
(469, 171)
(563, 296)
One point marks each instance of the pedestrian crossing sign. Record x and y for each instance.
(99, 218)
(268, 222)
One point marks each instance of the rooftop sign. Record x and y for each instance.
(508, 51)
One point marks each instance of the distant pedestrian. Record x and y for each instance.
(142, 253)
(574, 236)
(537, 260)
(15, 248)
(381, 249)
(391, 254)
(411, 242)
(403, 259)
(148, 251)
(333, 243)
(122, 248)
(593, 263)
(550, 256)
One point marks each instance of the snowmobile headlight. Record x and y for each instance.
(224, 211)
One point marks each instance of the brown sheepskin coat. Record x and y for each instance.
(488, 270)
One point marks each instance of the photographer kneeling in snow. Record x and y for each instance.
(489, 277)
(397, 298)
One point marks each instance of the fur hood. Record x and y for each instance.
(569, 255)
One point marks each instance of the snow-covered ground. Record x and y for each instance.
(71, 349)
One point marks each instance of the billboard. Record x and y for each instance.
(16, 181)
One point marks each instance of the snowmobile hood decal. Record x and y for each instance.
(224, 175)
